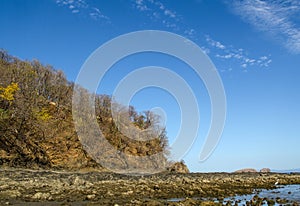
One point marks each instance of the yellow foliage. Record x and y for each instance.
(8, 92)
(43, 114)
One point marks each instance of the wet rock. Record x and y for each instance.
(270, 202)
(281, 201)
(127, 192)
(10, 194)
(90, 197)
(78, 181)
(156, 187)
(189, 201)
(210, 203)
(41, 196)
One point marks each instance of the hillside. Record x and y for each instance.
(36, 125)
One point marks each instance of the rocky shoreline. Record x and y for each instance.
(28, 187)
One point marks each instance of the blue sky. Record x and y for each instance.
(254, 44)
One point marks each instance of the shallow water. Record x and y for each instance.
(288, 192)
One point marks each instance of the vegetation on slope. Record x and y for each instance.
(36, 125)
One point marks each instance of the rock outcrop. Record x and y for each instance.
(246, 170)
(100, 188)
(179, 167)
(251, 170)
(265, 170)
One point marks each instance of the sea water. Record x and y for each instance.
(288, 192)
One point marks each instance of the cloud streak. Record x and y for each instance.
(238, 56)
(274, 17)
(81, 6)
(226, 54)
(214, 43)
(157, 11)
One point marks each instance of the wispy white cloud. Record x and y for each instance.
(74, 11)
(170, 13)
(96, 14)
(73, 4)
(244, 66)
(226, 54)
(81, 6)
(140, 5)
(157, 11)
(215, 43)
(238, 56)
(190, 32)
(275, 17)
